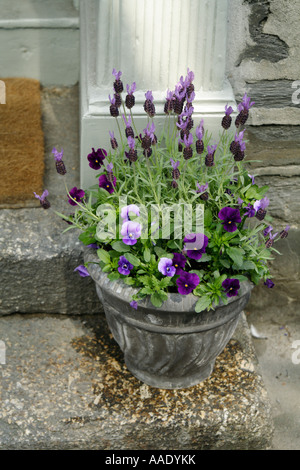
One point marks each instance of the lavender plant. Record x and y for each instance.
(182, 167)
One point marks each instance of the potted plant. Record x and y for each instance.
(176, 233)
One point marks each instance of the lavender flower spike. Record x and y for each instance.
(43, 199)
(60, 166)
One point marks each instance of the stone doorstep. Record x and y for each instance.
(65, 386)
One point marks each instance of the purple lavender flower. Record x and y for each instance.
(60, 166)
(200, 130)
(113, 140)
(179, 262)
(230, 217)
(43, 199)
(227, 119)
(270, 240)
(209, 159)
(169, 104)
(96, 158)
(106, 184)
(77, 195)
(149, 105)
(114, 111)
(130, 232)
(249, 211)
(127, 209)
(118, 85)
(260, 207)
(187, 282)
(269, 283)
(124, 266)
(165, 266)
(231, 287)
(201, 188)
(284, 233)
(196, 245)
(82, 271)
(243, 109)
(130, 99)
(267, 230)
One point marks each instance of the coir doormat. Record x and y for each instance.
(21, 143)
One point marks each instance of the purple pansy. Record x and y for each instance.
(165, 266)
(106, 184)
(96, 158)
(179, 262)
(231, 287)
(77, 195)
(82, 271)
(134, 304)
(230, 217)
(130, 232)
(196, 244)
(131, 208)
(187, 282)
(269, 283)
(124, 266)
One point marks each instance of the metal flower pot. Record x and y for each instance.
(172, 346)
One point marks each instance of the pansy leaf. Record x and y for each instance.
(103, 255)
(120, 247)
(132, 259)
(203, 303)
(236, 254)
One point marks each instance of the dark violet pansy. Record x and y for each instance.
(77, 195)
(106, 184)
(230, 217)
(187, 282)
(130, 232)
(165, 266)
(231, 287)
(179, 262)
(82, 271)
(96, 158)
(124, 266)
(196, 244)
(269, 283)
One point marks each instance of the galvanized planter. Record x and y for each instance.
(172, 346)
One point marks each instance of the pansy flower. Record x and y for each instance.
(82, 271)
(231, 287)
(165, 266)
(96, 158)
(230, 217)
(76, 196)
(187, 282)
(130, 232)
(106, 184)
(124, 266)
(269, 283)
(179, 262)
(196, 245)
(127, 209)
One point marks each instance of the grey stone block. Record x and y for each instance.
(65, 386)
(37, 266)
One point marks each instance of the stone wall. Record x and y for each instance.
(265, 62)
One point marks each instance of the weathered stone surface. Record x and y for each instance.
(37, 265)
(65, 386)
(266, 46)
(272, 93)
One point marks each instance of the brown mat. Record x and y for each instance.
(21, 144)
